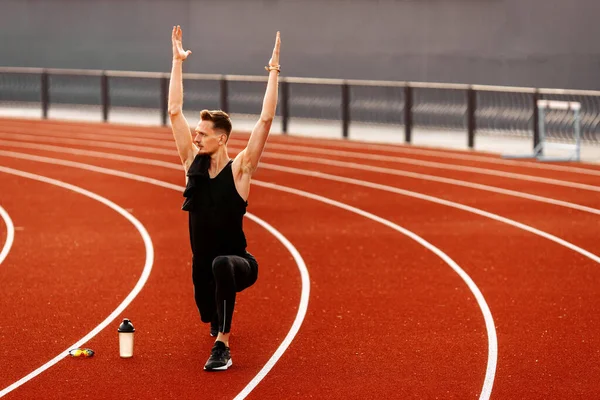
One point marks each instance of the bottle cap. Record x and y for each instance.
(126, 326)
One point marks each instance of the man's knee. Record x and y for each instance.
(222, 268)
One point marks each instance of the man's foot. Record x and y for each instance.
(220, 358)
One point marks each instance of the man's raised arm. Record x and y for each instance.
(258, 138)
(179, 125)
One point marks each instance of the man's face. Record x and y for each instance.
(207, 138)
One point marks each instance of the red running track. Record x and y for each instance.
(386, 317)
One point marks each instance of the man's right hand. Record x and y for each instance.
(178, 52)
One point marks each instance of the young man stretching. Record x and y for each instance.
(216, 197)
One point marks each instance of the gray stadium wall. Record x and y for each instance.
(541, 43)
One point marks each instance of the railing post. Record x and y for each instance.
(45, 94)
(104, 96)
(408, 121)
(224, 98)
(471, 108)
(536, 119)
(164, 99)
(285, 111)
(345, 109)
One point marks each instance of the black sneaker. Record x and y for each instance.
(220, 358)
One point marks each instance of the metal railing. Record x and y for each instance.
(412, 105)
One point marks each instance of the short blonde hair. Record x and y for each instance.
(219, 118)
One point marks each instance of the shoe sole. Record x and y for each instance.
(223, 368)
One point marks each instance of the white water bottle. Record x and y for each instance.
(126, 331)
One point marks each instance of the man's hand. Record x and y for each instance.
(178, 52)
(274, 61)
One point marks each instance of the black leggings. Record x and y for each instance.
(215, 287)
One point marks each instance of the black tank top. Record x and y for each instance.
(216, 212)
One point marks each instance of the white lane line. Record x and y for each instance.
(94, 138)
(93, 153)
(362, 146)
(421, 196)
(328, 177)
(392, 148)
(299, 316)
(108, 145)
(483, 306)
(489, 322)
(166, 150)
(362, 167)
(305, 280)
(134, 292)
(89, 167)
(10, 234)
(67, 131)
(430, 164)
(434, 178)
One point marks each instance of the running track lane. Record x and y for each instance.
(42, 300)
(158, 140)
(353, 166)
(399, 153)
(570, 224)
(570, 191)
(480, 198)
(541, 301)
(480, 160)
(171, 344)
(165, 147)
(366, 356)
(451, 157)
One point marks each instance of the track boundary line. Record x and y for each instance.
(437, 200)
(452, 167)
(492, 359)
(489, 323)
(10, 234)
(362, 167)
(361, 145)
(304, 295)
(302, 308)
(149, 249)
(323, 175)
(446, 153)
(435, 178)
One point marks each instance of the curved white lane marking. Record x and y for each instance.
(363, 167)
(305, 280)
(134, 292)
(434, 178)
(483, 306)
(93, 153)
(361, 146)
(437, 200)
(107, 145)
(490, 328)
(430, 164)
(92, 138)
(408, 149)
(10, 234)
(299, 316)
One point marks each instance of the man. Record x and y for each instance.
(216, 197)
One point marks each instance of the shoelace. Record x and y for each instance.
(218, 352)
